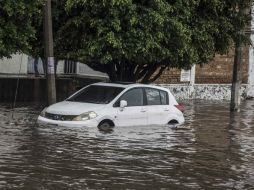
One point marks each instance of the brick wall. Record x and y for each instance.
(218, 71)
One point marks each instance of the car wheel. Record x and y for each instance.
(173, 124)
(106, 126)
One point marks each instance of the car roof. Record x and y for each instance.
(128, 85)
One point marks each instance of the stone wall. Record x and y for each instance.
(218, 71)
(203, 91)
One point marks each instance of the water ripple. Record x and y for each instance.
(213, 150)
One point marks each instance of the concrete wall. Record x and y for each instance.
(12, 65)
(250, 92)
(17, 64)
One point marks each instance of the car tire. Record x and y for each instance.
(106, 126)
(173, 124)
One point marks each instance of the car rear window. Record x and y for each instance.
(156, 97)
(153, 96)
(164, 97)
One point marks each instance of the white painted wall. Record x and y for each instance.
(30, 69)
(250, 88)
(60, 67)
(23, 64)
(250, 91)
(193, 75)
(12, 65)
(15, 65)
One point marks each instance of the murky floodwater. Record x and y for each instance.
(213, 150)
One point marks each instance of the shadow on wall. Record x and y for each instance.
(34, 90)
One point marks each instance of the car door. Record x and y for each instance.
(135, 113)
(157, 106)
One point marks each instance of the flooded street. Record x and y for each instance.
(213, 150)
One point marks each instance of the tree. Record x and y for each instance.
(59, 17)
(131, 40)
(136, 40)
(16, 27)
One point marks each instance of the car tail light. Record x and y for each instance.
(180, 107)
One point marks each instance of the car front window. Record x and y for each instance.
(96, 94)
(134, 97)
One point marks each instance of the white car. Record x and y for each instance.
(105, 105)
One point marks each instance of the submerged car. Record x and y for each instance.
(105, 105)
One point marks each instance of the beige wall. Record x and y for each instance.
(15, 65)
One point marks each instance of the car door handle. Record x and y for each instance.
(143, 110)
(166, 109)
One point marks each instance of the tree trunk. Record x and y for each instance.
(112, 72)
(128, 72)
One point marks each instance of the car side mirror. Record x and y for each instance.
(123, 103)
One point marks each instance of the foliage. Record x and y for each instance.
(129, 39)
(133, 39)
(59, 17)
(16, 27)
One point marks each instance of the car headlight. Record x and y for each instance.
(85, 116)
(43, 112)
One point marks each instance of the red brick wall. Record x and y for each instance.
(218, 71)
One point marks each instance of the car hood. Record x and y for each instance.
(73, 108)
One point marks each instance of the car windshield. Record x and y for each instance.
(96, 94)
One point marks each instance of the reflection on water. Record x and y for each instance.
(213, 150)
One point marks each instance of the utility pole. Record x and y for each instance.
(237, 70)
(236, 81)
(49, 53)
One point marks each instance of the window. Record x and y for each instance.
(153, 96)
(156, 97)
(164, 97)
(134, 97)
(96, 94)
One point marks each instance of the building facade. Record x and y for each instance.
(213, 80)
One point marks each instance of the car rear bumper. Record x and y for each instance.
(49, 122)
(181, 120)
